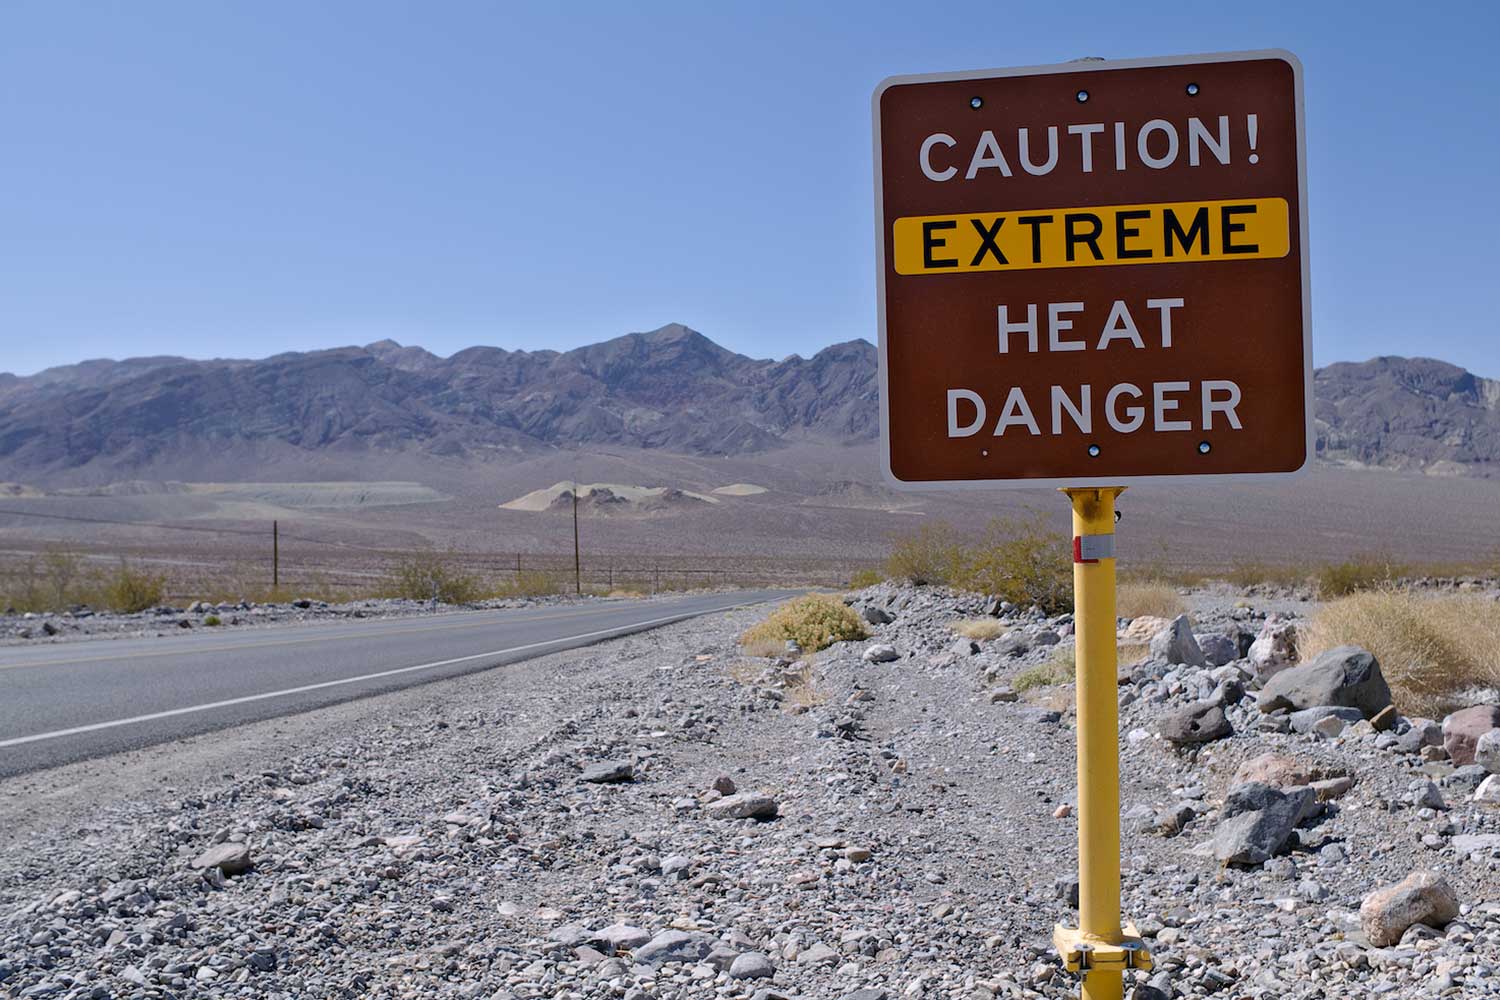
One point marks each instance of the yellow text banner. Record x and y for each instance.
(1096, 236)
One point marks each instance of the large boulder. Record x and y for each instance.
(1176, 644)
(1462, 729)
(1345, 676)
(1257, 821)
(745, 805)
(230, 858)
(1200, 722)
(1143, 628)
(1274, 769)
(1487, 751)
(1274, 649)
(1421, 898)
(1218, 648)
(673, 946)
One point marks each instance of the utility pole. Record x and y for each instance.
(275, 555)
(577, 562)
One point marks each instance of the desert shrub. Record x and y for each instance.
(932, 554)
(1149, 597)
(535, 583)
(1357, 574)
(979, 629)
(1429, 647)
(213, 621)
(863, 578)
(423, 575)
(129, 589)
(812, 621)
(1246, 574)
(1060, 668)
(1021, 561)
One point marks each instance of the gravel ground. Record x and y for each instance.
(444, 841)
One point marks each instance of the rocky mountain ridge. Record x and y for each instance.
(671, 389)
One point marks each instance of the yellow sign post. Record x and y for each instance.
(1102, 947)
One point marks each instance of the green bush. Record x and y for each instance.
(425, 575)
(933, 554)
(1017, 560)
(1360, 573)
(129, 590)
(1060, 668)
(812, 621)
(213, 621)
(534, 583)
(863, 578)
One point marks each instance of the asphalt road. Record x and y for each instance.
(67, 702)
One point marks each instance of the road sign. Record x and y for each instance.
(1093, 273)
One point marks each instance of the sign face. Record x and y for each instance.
(1093, 273)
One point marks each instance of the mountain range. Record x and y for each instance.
(672, 390)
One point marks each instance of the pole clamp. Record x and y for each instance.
(1083, 952)
(1092, 548)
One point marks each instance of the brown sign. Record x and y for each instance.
(1093, 273)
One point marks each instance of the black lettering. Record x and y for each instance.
(1072, 238)
(1124, 232)
(931, 243)
(1229, 228)
(1172, 228)
(987, 242)
(1035, 222)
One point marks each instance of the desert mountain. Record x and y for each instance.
(671, 390)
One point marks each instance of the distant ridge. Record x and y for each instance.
(670, 389)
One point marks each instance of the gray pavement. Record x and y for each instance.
(61, 703)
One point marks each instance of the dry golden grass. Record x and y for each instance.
(1060, 669)
(980, 629)
(1133, 652)
(622, 592)
(812, 621)
(1149, 597)
(1429, 647)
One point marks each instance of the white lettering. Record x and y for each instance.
(1198, 135)
(1056, 325)
(1165, 307)
(970, 429)
(987, 154)
(1082, 414)
(1086, 135)
(1007, 328)
(1144, 139)
(1119, 326)
(926, 156)
(1164, 406)
(1017, 413)
(1135, 415)
(1224, 406)
(1025, 144)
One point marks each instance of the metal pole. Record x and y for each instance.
(577, 563)
(1102, 948)
(275, 555)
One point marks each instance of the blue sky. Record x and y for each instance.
(240, 179)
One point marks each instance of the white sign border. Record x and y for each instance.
(1087, 66)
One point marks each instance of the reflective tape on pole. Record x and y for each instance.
(1092, 548)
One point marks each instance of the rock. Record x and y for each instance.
(1487, 751)
(881, 652)
(229, 858)
(1274, 649)
(745, 805)
(1003, 693)
(608, 772)
(1423, 794)
(876, 616)
(673, 946)
(1257, 821)
(1218, 649)
(751, 965)
(1176, 644)
(1475, 843)
(1419, 733)
(1345, 676)
(1144, 628)
(619, 937)
(1201, 722)
(1332, 788)
(817, 954)
(1274, 769)
(724, 785)
(1462, 729)
(1421, 898)
(1488, 790)
(1307, 719)
(1384, 719)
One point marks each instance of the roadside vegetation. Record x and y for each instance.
(1149, 597)
(59, 579)
(1430, 647)
(812, 621)
(1019, 560)
(1060, 668)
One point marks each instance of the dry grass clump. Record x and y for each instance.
(129, 589)
(812, 621)
(1149, 597)
(1061, 668)
(860, 579)
(1019, 560)
(1429, 648)
(980, 629)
